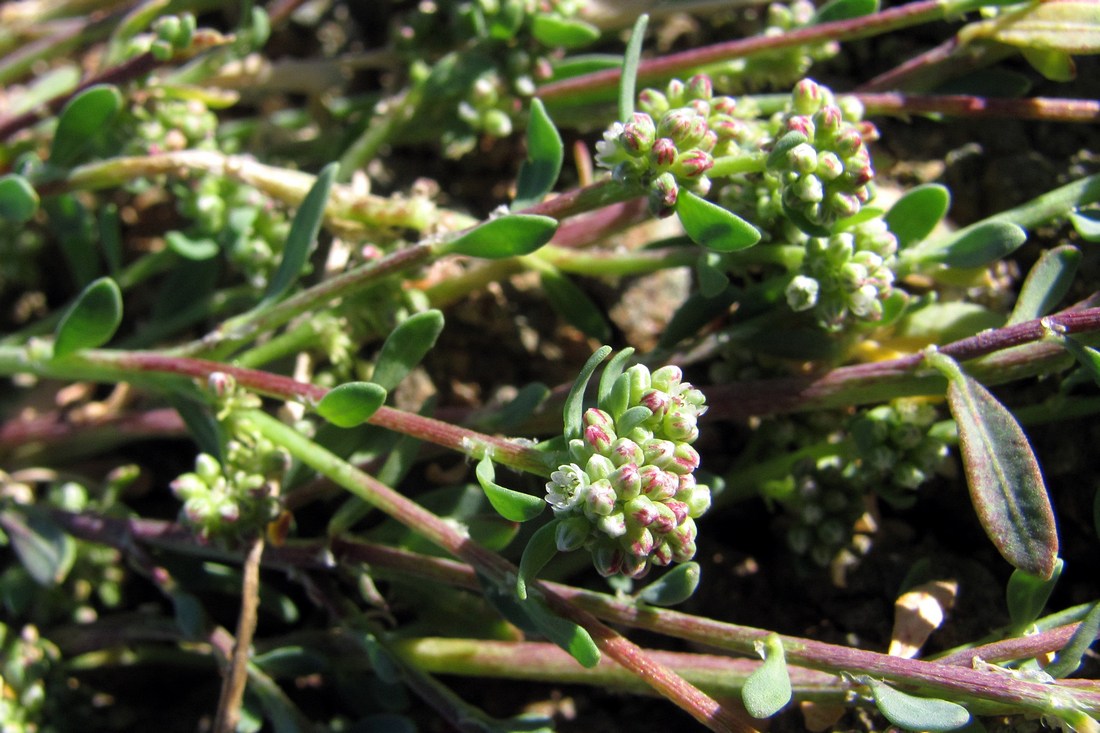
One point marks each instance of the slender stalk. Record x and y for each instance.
(960, 105)
(903, 16)
(236, 675)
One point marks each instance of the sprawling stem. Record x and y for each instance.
(916, 13)
(961, 105)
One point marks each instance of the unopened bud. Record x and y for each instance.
(807, 97)
(639, 135)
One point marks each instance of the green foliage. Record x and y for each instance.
(507, 236)
(910, 712)
(768, 689)
(82, 122)
(712, 226)
(91, 321)
(513, 505)
(1027, 594)
(406, 346)
(545, 153)
(302, 236)
(18, 200)
(351, 404)
(1006, 486)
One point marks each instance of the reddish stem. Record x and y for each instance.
(961, 105)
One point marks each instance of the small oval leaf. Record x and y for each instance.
(303, 233)
(572, 304)
(675, 586)
(507, 236)
(1006, 485)
(711, 275)
(351, 404)
(768, 689)
(545, 153)
(515, 506)
(1046, 284)
(191, 249)
(916, 713)
(1053, 65)
(567, 33)
(540, 549)
(1087, 357)
(563, 632)
(1087, 223)
(86, 116)
(777, 158)
(980, 244)
(713, 227)
(1027, 595)
(1066, 26)
(43, 548)
(916, 214)
(610, 376)
(573, 410)
(406, 346)
(92, 320)
(18, 199)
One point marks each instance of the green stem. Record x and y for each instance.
(731, 165)
(381, 128)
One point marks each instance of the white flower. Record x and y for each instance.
(609, 151)
(566, 487)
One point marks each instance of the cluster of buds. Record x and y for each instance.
(168, 124)
(221, 501)
(847, 274)
(174, 33)
(673, 139)
(821, 158)
(898, 450)
(630, 496)
(29, 670)
(825, 508)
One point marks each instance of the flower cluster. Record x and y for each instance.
(847, 274)
(238, 496)
(825, 507)
(898, 450)
(629, 495)
(673, 140)
(820, 156)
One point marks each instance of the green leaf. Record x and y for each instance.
(916, 214)
(1046, 284)
(189, 615)
(573, 411)
(545, 153)
(1006, 486)
(109, 225)
(712, 226)
(631, 58)
(1070, 656)
(44, 549)
(191, 249)
(1066, 26)
(74, 227)
(978, 245)
(572, 304)
(18, 199)
(84, 118)
(1087, 357)
(303, 233)
(1053, 65)
(567, 33)
(768, 689)
(406, 346)
(844, 10)
(351, 404)
(540, 549)
(777, 158)
(506, 236)
(1087, 223)
(563, 632)
(514, 506)
(92, 320)
(712, 277)
(916, 713)
(572, 66)
(1027, 595)
(675, 586)
(632, 418)
(610, 376)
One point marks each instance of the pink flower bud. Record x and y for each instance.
(665, 521)
(807, 97)
(679, 510)
(639, 543)
(599, 500)
(700, 87)
(692, 164)
(653, 102)
(723, 105)
(660, 453)
(641, 511)
(639, 135)
(667, 378)
(675, 93)
(686, 459)
(627, 481)
(683, 125)
(607, 559)
(661, 555)
(571, 533)
(847, 142)
(657, 401)
(802, 158)
(663, 154)
(663, 193)
(613, 525)
(635, 566)
(828, 120)
(657, 484)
